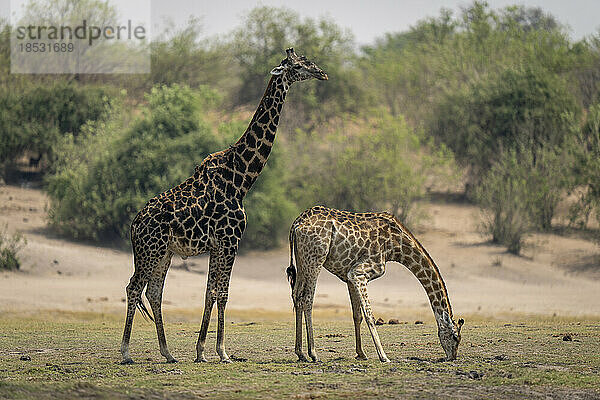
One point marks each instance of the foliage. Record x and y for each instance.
(182, 56)
(10, 245)
(521, 195)
(503, 194)
(266, 32)
(385, 165)
(485, 84)
(586, 170)
(35, 118)
(107, 174)
(517, 109)
(269, 209)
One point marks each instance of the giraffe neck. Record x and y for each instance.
(413, 256)
(253, 148)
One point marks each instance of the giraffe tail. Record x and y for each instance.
(142, 307)
(291, 270)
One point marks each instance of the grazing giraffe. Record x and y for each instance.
(205, 214)
(355, 247)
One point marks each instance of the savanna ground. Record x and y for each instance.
(74, 355)
(532, 322)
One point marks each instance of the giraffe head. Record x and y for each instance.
(298, 68)
(449, 334)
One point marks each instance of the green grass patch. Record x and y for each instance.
(76, 356)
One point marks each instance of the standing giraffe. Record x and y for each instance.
(205, 214)
(355, 247)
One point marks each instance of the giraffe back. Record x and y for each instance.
(342, 239)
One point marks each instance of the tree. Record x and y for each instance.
(181, 55)
(35, 118)
(586, 169)
(381, 165)
(518, 109)
(266, 32)
(107, 174)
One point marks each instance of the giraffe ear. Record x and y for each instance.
(277, 70)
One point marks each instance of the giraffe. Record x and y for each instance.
(205, 214)
(355, 247)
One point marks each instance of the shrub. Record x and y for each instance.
(105, 176)
(35, 118)
(115, 166)
(385, 165)
(517, 109)
(10, 245)
(586, 171)
(504, 196)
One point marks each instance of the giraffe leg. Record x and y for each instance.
(360, 284)
(217, 289)
(310, 341)
(310, 260)
(209, 301)
(303, 295)
(298, 347)
(154, 293)
(134, 291)
(226, 257)
(357, 317)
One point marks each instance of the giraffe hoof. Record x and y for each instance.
(302, 358)
(200, 359)
(226, 361)
(384, 360)
(127, 361)
(361, 357)
(172, 360)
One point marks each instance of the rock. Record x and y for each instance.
(379, 321)
(475, 375)
(393, 321)
(501, 357)
(25, 358)
(567, 338)
(418, 322)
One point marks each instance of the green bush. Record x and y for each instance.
(505, 197)
(520, 108)
(586, 171)
(104, 176)
(35, 118)
(10, 245)
(385, 165)
(108, 173)
(259, 44)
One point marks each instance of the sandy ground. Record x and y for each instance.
(557, 275)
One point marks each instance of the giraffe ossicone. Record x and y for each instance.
(355, 247)
(204, 214)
